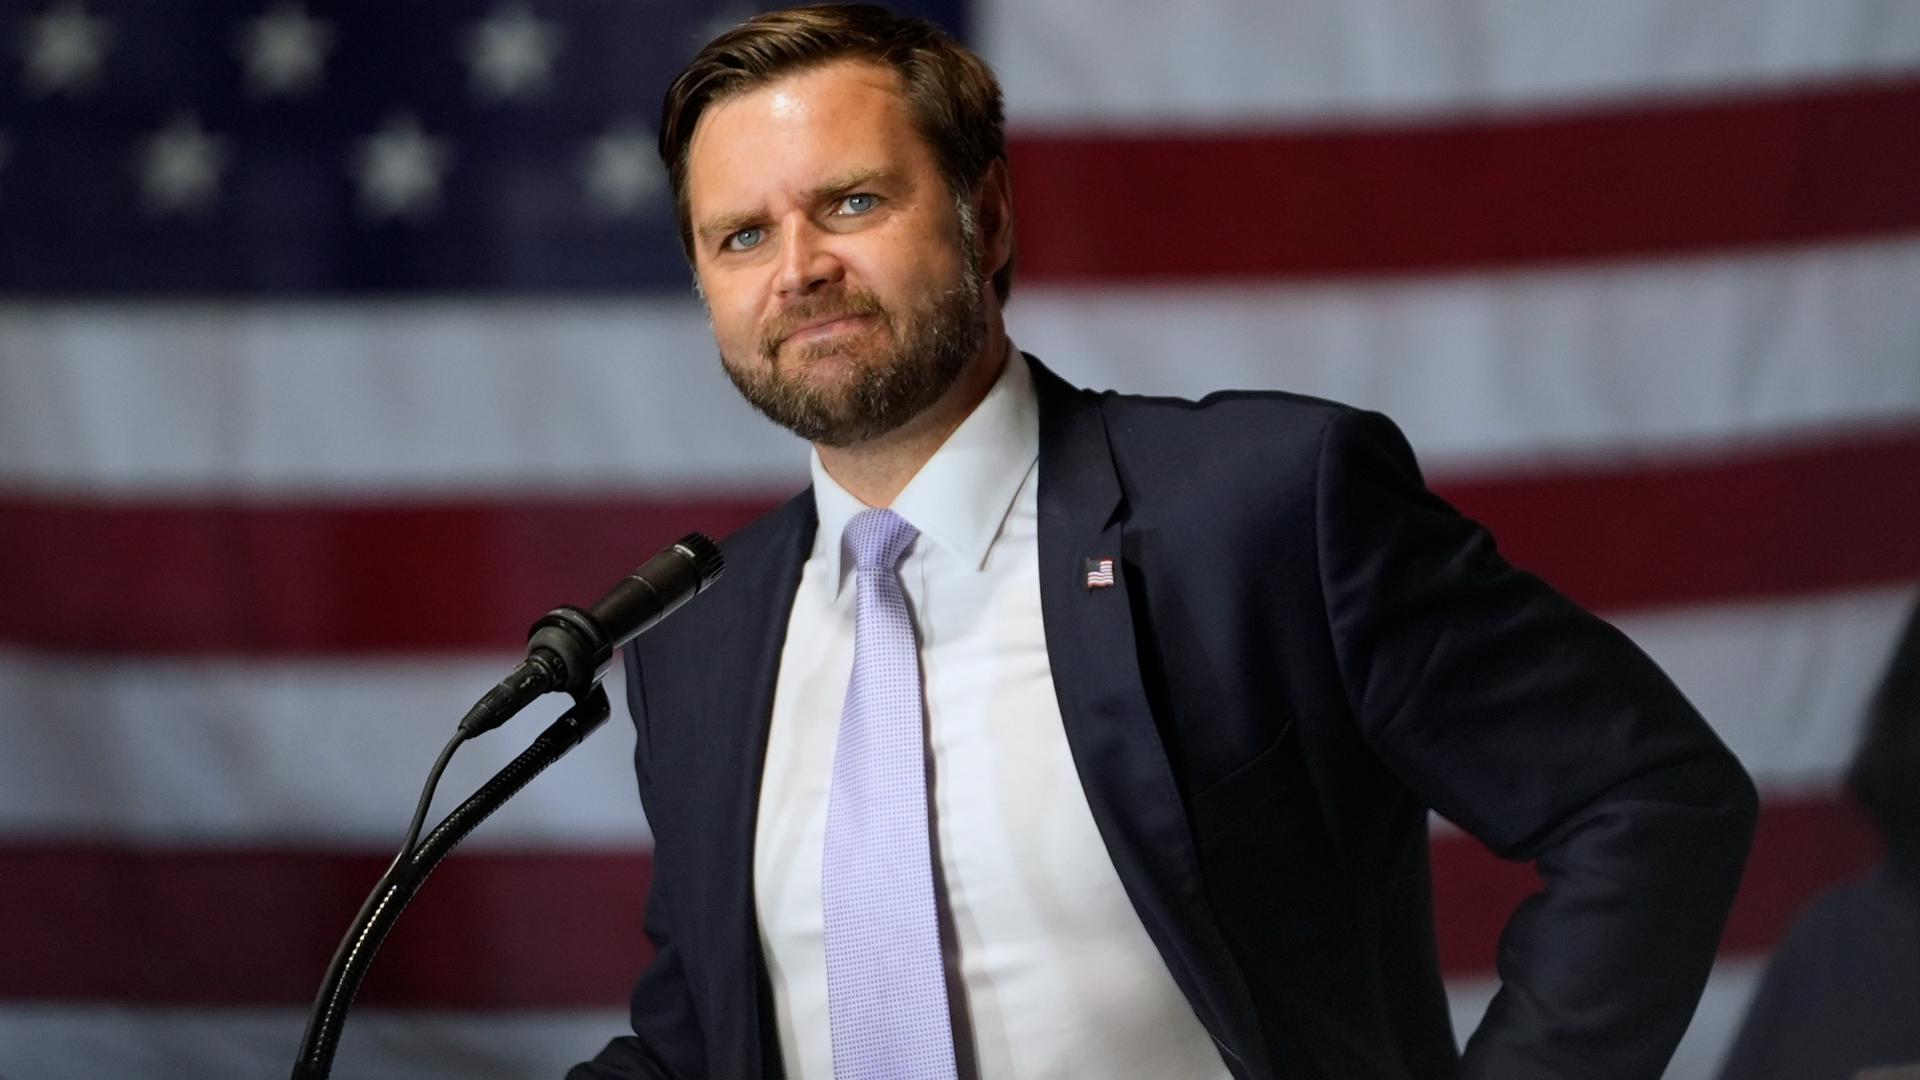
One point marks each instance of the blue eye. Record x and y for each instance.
(860, 204)
(744, 239)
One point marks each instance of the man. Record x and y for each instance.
(1061, 734)
(1841, 991)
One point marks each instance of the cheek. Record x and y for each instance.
(735, 315)
(904, 275)
(937, 261)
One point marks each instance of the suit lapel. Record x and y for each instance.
(740, 686)
(1116, 746)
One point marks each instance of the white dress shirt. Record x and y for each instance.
(1057, 973)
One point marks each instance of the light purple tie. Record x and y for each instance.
(886, 987)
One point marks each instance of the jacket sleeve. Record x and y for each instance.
(667, 1043)
(1545, 733)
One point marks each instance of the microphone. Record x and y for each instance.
(571, 649)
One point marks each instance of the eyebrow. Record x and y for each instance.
(728, 224)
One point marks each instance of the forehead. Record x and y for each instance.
(815, 122)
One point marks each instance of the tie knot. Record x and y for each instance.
(878, 539)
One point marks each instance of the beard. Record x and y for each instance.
(928, 346)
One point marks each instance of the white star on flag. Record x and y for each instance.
(400, 168)
(65, 49)
(180, 167)
(622, 171)
(511, 53)
(284, 51)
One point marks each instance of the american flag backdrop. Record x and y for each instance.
(341, 339)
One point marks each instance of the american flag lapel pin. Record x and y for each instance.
(1099, 573)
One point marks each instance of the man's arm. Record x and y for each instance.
(667, 1042)
(1548, 735)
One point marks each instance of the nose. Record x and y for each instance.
(807, 260)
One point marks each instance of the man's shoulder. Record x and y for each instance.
(1252, 408)
(1257, 416)
(1252, 433)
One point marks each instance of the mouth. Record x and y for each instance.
(831, 326)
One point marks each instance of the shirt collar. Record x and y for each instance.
(961, 497)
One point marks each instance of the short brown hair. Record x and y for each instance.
(953, 96)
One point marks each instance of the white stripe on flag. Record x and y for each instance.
(1785, 682)
(332, 752)
(1602, 362)
(1076, 64)
(488, 395)
(287, 753)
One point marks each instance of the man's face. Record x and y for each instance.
(842, 283)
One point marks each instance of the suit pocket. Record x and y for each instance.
(1251, 790)
(1265, 851)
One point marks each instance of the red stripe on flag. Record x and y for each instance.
(313, 579)
(1749, 524)
(562, 929)
(228, 927)
(196, 577)
(1653, 179)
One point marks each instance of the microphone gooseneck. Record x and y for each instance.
(570, 650)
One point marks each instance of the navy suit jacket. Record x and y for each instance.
(1304, 652)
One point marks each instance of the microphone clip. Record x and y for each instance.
(578, 646)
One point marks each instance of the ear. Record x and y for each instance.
(993, 210)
